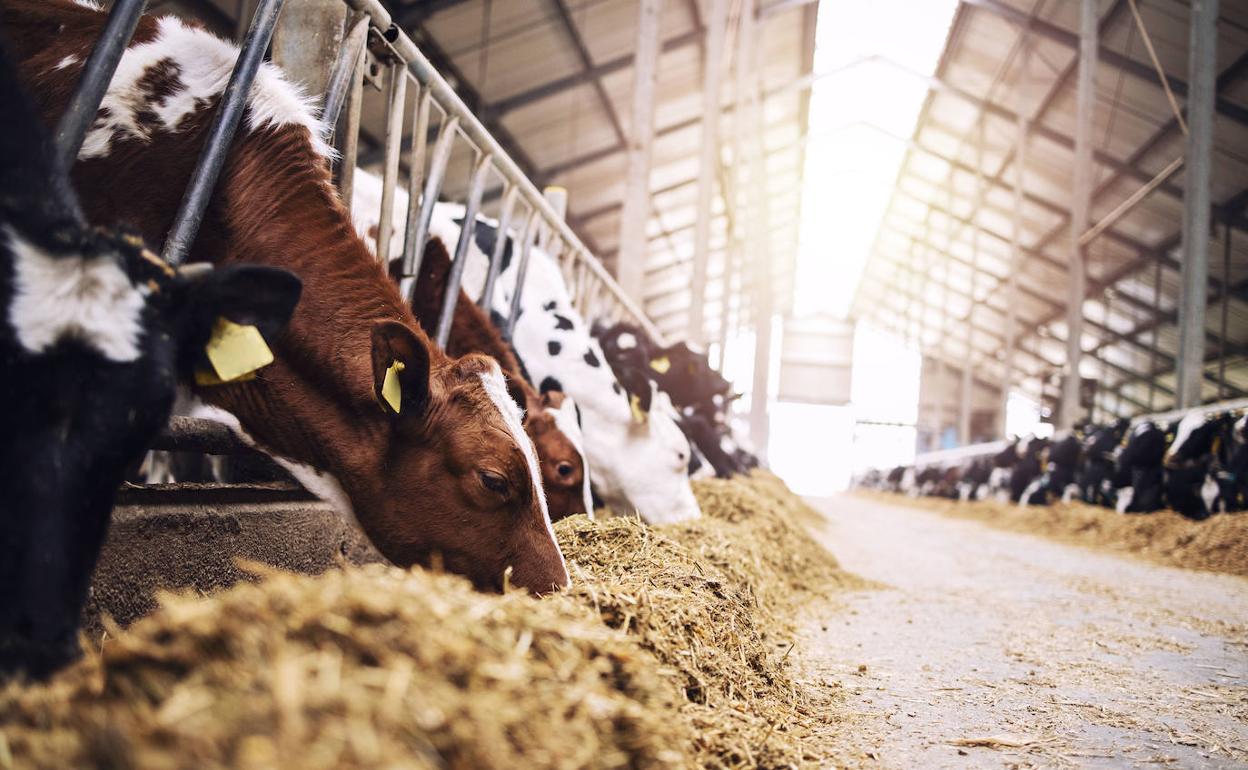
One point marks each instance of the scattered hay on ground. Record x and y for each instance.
(1217, 544)
(377, 667)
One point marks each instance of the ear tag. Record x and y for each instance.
(391, 390)
(661, 364)
(639, 416)
(235, 350)
(208, 378)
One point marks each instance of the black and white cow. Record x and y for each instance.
(1138, 475)
(1061, 464)
(1028, 467)
(699, 392)
(1096, 473)
(96, 332)
(1191, 486)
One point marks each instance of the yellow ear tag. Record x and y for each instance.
(391, 390)
(661, 364)
(207, 377)
(639, 416)
(235, 350)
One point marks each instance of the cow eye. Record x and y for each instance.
(493, 482)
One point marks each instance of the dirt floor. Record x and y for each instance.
(983, 648)
(1218, 544)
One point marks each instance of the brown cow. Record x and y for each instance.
(442, 472)
(549, 418)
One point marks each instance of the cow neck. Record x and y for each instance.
(280, 208)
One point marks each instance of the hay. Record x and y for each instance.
(1217, 544)
(669, 651)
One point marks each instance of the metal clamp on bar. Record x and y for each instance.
(466, 235)
(97, 73)
(221, 133)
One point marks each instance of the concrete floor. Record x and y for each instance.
(990, 649)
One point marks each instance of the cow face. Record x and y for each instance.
(102, 332)
(462, 481)
(551, 420)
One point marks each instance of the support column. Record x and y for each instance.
(630, 260)
(1016, 234)
(1201, 92)
(758, 256)
(708, 161)
(306, 41)
(1081, 200)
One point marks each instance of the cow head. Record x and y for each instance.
(551, 420)
(90, 381)
(459, 483)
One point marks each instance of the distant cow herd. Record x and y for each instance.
(285, 326)
(1196, 465)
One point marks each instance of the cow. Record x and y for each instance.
(550, 418)
(96, 333)
(1061, 464)
(638, 459)
(425, 451)
(1190, 483)
(699, 392)
(1028, 467)
(1003, 463)
(632, 452)
(1095, 479)
(1138, 476)
(1232, 473)
(974, 482)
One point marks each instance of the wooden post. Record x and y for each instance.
(708, 161)
(630, 261)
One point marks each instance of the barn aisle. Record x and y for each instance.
(989, 649)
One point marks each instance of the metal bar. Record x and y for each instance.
(716, 29)
(1133, 200)
(97, 73)
(506, 164)
(429, 198)
(1202, 63)
(345, 66)
(630, 263)
(522, 271)
(1076, 279)
(485, 301)
(416, 170)
(1156, 344)
(396, 101)
(221, 133)
(1226, 306)
(455, 277)
(350, 135)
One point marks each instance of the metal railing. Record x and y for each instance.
(589, 282)
(594, 291)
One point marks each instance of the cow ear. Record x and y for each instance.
(247, 295)
(400, 370)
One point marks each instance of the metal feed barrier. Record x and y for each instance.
(369, 36)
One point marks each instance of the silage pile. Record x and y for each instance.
(669, 651)
(1217, 544)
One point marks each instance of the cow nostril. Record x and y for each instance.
(565, 469)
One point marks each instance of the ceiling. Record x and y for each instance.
(943, 251)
